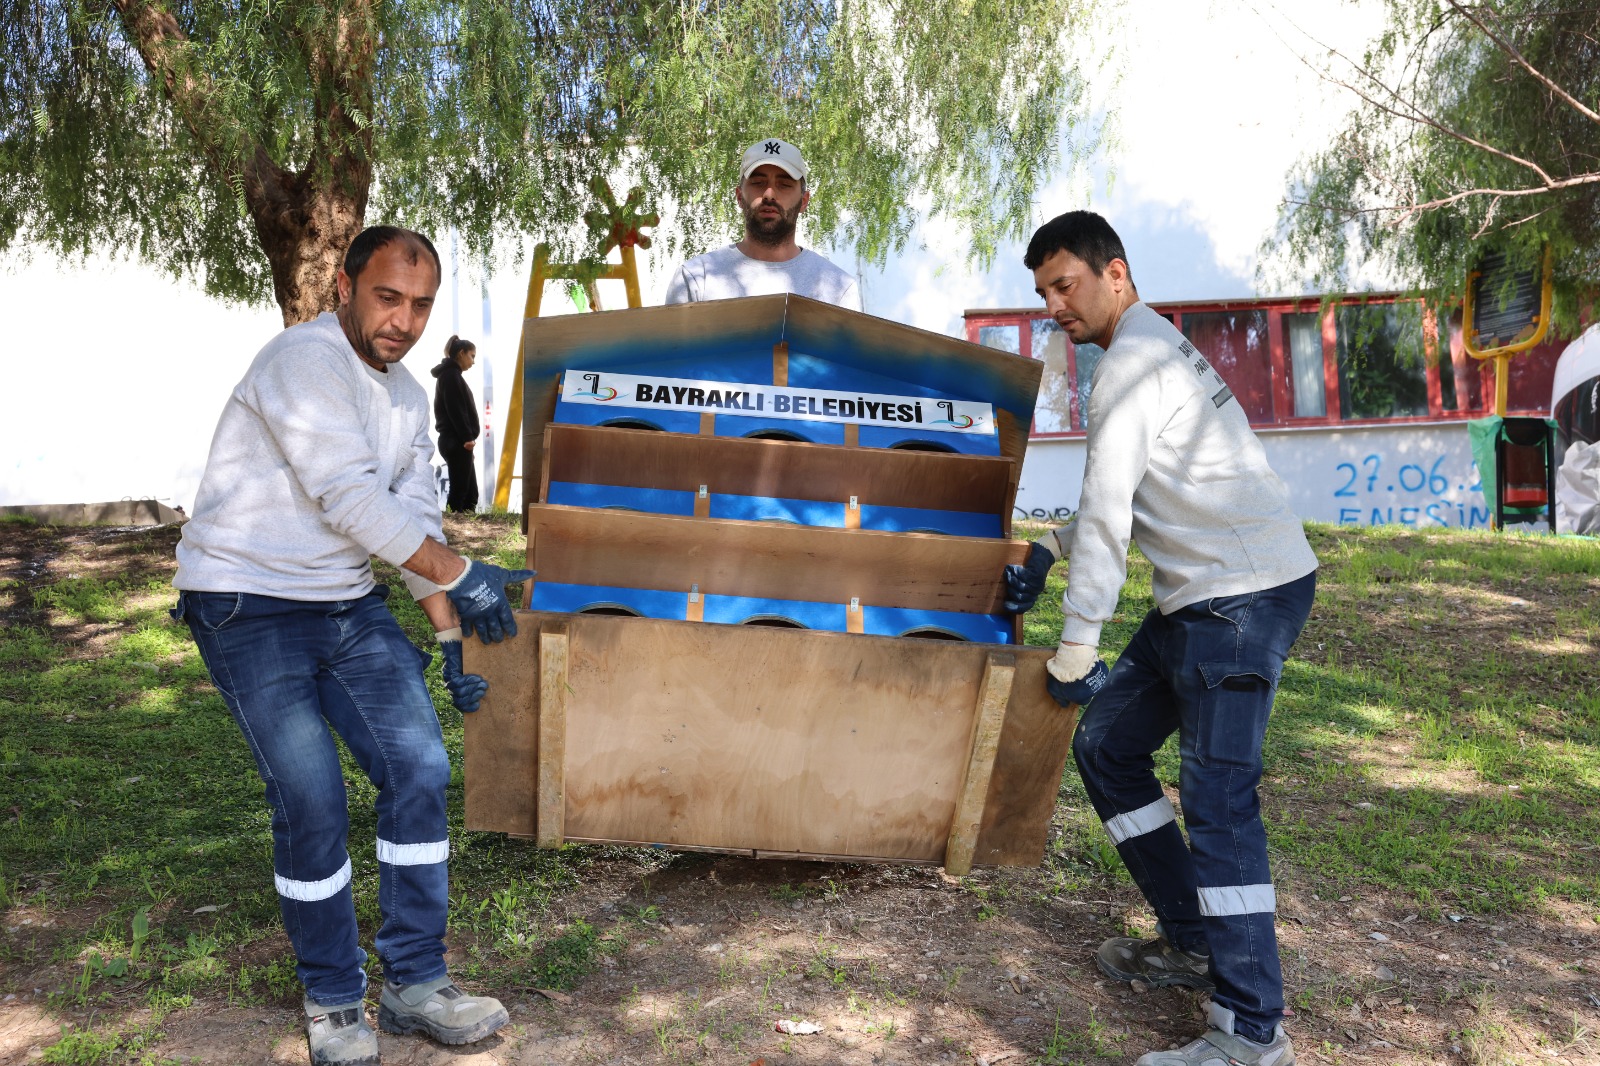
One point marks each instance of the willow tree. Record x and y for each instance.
(244, 143)
(1476, 129)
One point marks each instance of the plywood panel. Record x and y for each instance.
(636, 458)
(553, 688)
(773, 741)
(769, 560)
(501, 738)
(948, 365)
(1034, 746)
(725, 736)
(994, 692)
(639, 337)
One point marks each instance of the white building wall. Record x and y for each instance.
(1413, 475)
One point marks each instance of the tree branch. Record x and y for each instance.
(1407, 111)
(1406, 211)
(1517, 57)
(1412, 113)
(156, 35)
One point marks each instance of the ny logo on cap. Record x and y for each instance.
(774, 148)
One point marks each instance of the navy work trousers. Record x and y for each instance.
(291, 671)
(1208, 672)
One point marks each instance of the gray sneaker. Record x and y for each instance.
(441, 1010)
(340, 1036)
(1221, 1046)
(1154, 961)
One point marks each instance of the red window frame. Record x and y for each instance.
(1474, 383)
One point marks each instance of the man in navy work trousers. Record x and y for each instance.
(320, 461)
(1172, 464)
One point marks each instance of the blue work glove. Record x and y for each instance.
(466, 690)
(1024, 581)
(479, 597)
(1075, 674)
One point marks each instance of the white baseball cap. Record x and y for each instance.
(779, 153)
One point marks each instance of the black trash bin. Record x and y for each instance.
(1524, 469)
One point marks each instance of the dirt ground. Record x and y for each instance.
(901, 964)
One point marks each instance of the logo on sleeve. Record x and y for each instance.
(1202, 368)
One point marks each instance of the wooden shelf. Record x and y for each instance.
(921, 571)
(638, 458)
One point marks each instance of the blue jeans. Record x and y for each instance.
(290, 671)
(1208, 671)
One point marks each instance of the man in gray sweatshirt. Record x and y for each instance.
(1173, 465)
(320, 461)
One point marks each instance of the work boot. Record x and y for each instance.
(441, 1010)
(340, 1036)
(1221, 1046)
(1155, 962)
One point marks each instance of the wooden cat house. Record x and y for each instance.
(769, 536)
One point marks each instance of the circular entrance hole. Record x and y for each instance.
(919, 446)
(933, 633)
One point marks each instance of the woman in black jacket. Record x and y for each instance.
(455, 416)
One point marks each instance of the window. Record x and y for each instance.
(1088, 357)
(1236, 344)
(1053, 411)
(1304, 333)
(1006, 338)
(1383, 370)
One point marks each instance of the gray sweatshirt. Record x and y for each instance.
(318, 463)
(1173, 463)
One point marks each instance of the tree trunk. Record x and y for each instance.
(304, 220)
(304, 226)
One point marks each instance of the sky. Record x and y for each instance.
(117, 374)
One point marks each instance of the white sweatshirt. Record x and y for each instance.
(1173, 463)
(318, 463)
(727, 273)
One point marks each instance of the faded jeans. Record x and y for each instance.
(1208, 672)
(291, 671)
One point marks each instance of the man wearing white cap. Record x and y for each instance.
(771, 194)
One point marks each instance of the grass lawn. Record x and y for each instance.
(1432, 773)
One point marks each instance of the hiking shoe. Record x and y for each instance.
(340, 1036)
(441, 1010)
(1154, 961)
(1221, 1046)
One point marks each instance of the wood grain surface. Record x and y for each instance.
(771, 560)
(780, 742)
(638, 458)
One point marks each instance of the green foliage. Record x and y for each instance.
(1455, 150)
(1489, 808)
(85, 1047)
(494, 118)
